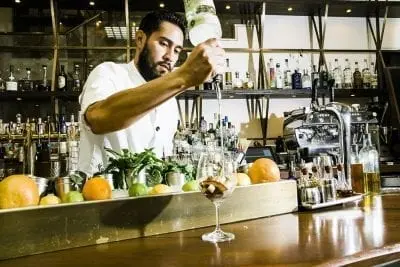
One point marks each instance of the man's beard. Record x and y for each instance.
(147, 67)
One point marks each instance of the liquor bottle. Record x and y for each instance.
(337, 75)
(374, 76)
(306, 80)
(2, 162)
(202, 20)
(27, 83)
(287, 76)
(272, 74)
(279, 77)
(315, 75)
(44, 83)
(248, 83)
(366, 76)
(62, 79)
(227, 77)
(296, 80)
(203, 125)
(62, 128)
(2, 85)
(237, 82)
(323, 77)
(76, 79)
(18, 125)
(347, 76)
(357, 79)
(89, 70)
(370, 159)
(11, 83)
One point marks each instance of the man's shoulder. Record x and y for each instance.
(109, 67)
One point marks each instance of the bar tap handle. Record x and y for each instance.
(331, 88)
(314, 93)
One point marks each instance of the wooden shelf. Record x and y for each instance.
(21, 96)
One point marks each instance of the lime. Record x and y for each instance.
(160, 189)
(138, 189)
(191, 186)
(50, 199)
(73, 196)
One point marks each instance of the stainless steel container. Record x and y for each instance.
(41, 183)
(329, 189)
(175, 180)
(63, 185)
(310, 195)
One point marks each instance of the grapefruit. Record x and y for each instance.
(96, 188)
(264, 170)
(18, 191)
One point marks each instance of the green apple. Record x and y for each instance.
(191, 186)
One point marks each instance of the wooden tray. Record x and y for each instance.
(355, 197)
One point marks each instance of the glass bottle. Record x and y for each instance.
(27, 83)
(374, 76)
(369, 157)
(237, 84)
(306, 80)
(357, 78)
(272, 74)
(337, 75)
(296, 79)
(11, 83)
(44, 83)
(366, 75)
(347, 76)
(248, 84)
(62, 79)
(287, 76)
(228, 83)
(279, 77)
(203, 125)
(323, 77)
(76, 79)
(90, 68)
(315, 75)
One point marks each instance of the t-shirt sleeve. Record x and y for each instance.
(98, 86)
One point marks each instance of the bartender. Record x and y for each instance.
(133, 105)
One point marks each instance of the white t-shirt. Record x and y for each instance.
(155, 129)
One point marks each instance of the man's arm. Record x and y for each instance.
(121, 109)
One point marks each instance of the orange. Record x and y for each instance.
(264, 170)
(96, 188)
(18, 191)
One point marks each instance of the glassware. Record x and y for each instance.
(347, 77)
(369, 157)
(337, 75)
(366, 75)
(357, 78)
(214, 174)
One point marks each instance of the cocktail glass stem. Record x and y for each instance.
(217, 226)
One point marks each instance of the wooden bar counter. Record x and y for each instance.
(359, 234)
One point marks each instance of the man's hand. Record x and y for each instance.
(206, 60)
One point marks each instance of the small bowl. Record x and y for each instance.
(41, 182)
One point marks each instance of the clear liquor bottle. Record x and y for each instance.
(315, 75)
(272, 74)
(287, 76)
(44, 83)
(237, 82)
(357, 78)
(228, 81)
(347, 76)
(76, 79)
(27, 83)
(248, 82)
(279, 77)
(306, 80)
(366, 75)
(11, 83)
(369, 157)
(337, 74)
(374, 76)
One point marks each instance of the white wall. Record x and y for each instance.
(293, 32)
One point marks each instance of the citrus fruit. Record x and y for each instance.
(50, 199)
(191, 186)
(160, 189)
(18, 191)
(242, 179)
(73, 196)
(264, 170)
(138, 189)
(96, 188)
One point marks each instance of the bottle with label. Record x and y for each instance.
(366, 76)
(90, 68)
(323, 77)
(357, 78)
(369, 157)
(202, 19)
(315, 75)
(248, 83)
(337, 75)
(11, 83)
(27, 83)
(347, 76)
(296, 80)
(374, 76)
(306, 80)
(44, 83)
(237, 82)
(279, 77)
(76, 79)
(272, 74)
(203, 125)
(62, 79)
(287, 76)
(228, 83)
(2, 85)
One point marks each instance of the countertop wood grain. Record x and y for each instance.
(360, 234)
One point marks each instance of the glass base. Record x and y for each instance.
(217, 236)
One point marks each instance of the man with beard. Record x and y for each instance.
(133, 105)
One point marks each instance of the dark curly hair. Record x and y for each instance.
(152, 21)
